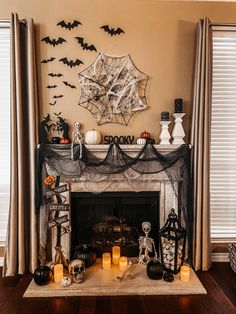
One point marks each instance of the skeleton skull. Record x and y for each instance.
(77, 270)
(146, 227)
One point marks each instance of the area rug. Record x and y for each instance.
(99, 282)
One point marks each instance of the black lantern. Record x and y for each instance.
(172, 243)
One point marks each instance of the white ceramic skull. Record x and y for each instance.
(146, 227)
(77, 269)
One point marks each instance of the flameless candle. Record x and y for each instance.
(115, 255)
(123, 263)
(106, 260)
(185, 273)
(58, 272)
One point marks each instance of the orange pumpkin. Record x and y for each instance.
(64, 141)
(49, 180)
(145, 134)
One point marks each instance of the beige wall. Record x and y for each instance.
(160, 37)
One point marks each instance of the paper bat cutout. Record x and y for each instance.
(57, 114)
(53, 42)
(48, 60)
(55, 74)
(51, 86)
(53, 104)
(112, 31)
(69, 25)
(84, 45)
(58, 96)
(68, 84)
(71, 63)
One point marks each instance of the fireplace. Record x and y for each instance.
(113, 218)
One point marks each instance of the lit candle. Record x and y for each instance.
(123, 263)
(185, 273)
(106, 260)
(58, 272)
(115, 255)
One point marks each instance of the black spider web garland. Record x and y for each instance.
(113, 89)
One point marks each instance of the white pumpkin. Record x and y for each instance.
(141, 141)
(92, 137)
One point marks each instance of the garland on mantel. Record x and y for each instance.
(147, 162)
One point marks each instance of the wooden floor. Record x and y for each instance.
(220, 283)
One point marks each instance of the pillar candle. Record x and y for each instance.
(115, 255)
(58, 272)
(106, 260)
(185, 273)
(165, 116)
(178, 105)
(123, 263)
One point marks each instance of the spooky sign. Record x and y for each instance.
(58, 207)
(59, 189)
(126, 139)
(57, 221)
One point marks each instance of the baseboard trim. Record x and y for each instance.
(220, 257)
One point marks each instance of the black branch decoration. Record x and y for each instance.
(69, 85)
(71, 63)
(69, 25)
(48, 60)
(85, 45)
(112, 31)
(53, 42)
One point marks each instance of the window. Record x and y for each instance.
(223, 136)
(4, 127)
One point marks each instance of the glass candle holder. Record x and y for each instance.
(115, 255)
(106, 261)
(185, 273)
(58, 272)
(123, 263)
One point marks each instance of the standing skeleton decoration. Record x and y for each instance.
(146, 247)
(113, 89)
(77, 138)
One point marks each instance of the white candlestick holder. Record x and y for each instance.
(165, 135)
(178, 131)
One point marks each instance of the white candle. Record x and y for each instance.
(185, 273)
(115, 255)
(58, 272)
(123, 263)
(106, 261)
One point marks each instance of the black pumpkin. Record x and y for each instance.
(168, 276)
(87, 253)
(154, 270)
(42, 275)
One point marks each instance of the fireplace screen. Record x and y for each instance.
(113, 218)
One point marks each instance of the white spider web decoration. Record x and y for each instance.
(113, 89)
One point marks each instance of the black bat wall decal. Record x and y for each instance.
(84, 45)
(51, 86)
(55, 74)
(58, 96)
(112, 31)
(48, 60)
(68, 84)
(53, 104)
(69, 25)
(53, 42)
(71, 63)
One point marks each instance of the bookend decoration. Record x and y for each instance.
(112, 31)
(55, 220)
(71, 63)
(113, 89)
(53, 42)
(69, 85)
(85, 45)
(44, 129)
(69, 25)
(172, 243)
(48, 60)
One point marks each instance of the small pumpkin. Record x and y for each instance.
(42, 275)
(154, 270)
(56, 139)
(141, 141)
(87, 253)
(92, 137)
(168, 277)
(64, 141)
(145, 134)
(49, 180)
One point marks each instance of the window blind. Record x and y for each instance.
(223, 137)
(4, 128)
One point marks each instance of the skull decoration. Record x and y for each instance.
(146, 227)
(77, 269)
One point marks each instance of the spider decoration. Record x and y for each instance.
(113, 89)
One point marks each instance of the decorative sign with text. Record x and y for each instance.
(57, 221)
(59, 207)
(57, 190)
(123, 139)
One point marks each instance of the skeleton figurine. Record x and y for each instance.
(146, 244)
(76, 270)
(77, 138)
